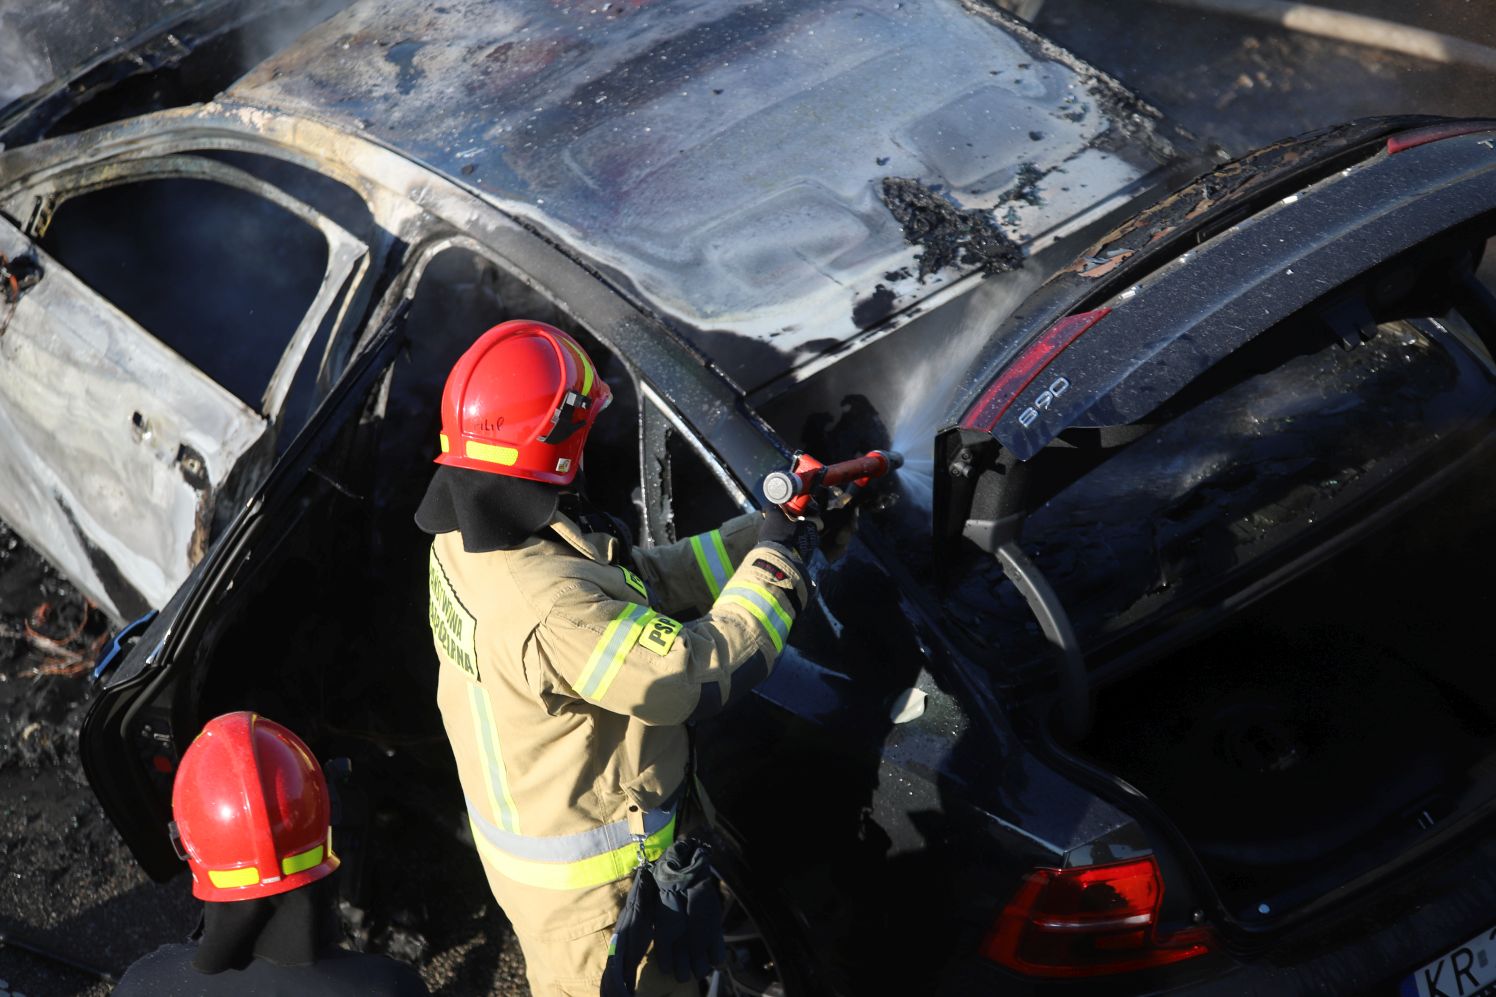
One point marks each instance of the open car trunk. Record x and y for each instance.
(1221, 528)
(1278, 593)
(1281, 598)
(1297, 734)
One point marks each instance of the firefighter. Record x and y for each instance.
(251, 813)
(571, 661)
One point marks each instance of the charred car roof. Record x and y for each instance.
(774, 179)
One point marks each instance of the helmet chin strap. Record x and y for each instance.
(564, 423)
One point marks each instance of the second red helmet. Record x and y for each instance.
(251, 810)
(520, 402)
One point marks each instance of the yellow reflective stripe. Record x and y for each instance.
(446, 443)
(611, 648)
(595, 870)
(724, 561)
(706, 571)
(229, 878)
(292, 864)
(771, 598)
(712, 559)
(635, 631)
(506, 815)
(586, 365)
(491, 454)
(752, 607)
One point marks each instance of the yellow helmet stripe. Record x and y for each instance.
(491, 454)
(586, 365)
(226, 879)
(302, 861)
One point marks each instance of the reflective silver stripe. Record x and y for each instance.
(497, 778)
(612, 647)
(566, 847)
(770, 613)
(711, 556)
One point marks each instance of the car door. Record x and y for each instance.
(117, 452)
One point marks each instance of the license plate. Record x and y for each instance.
(1467, 971)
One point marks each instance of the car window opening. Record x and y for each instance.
(354, 551)
(698, 500)
(328, 197)
(220, 275)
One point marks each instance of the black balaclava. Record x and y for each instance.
(492, 511)
(288, 929)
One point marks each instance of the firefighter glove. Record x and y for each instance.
(688, 921)
(798, 535)
(636, 925)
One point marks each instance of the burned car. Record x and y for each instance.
(1151, 670)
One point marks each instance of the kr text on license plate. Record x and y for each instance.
(1466, 971)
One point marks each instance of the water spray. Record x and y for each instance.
(792, 490)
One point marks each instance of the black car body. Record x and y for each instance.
(1154, 668)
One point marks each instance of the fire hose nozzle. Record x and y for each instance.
(781, 486)
(790, 490)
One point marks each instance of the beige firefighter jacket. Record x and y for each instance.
(566, 681)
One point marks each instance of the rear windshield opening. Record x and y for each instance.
(220, 275)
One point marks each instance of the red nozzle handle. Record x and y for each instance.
(790, 490)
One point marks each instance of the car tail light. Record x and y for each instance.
(1403, 141)
(1025, 367)
(1089, 921)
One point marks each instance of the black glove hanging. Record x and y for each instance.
(674, 904)
(688, 922)
(631, 937)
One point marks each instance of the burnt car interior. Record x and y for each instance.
(1366, 418)
(350, 662)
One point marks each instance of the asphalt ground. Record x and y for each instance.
(69, 887)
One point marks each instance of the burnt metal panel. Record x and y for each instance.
(766, 176)
(110, 443)
(117, 447)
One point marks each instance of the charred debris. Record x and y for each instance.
(947, 234)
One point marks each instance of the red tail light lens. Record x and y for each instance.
(1019, 374)
(1436, 133)
(1088, 921)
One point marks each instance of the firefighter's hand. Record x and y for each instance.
(798, 535)
(837, 527)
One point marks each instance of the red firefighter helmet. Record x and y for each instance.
(251, 810)
(520, 402)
